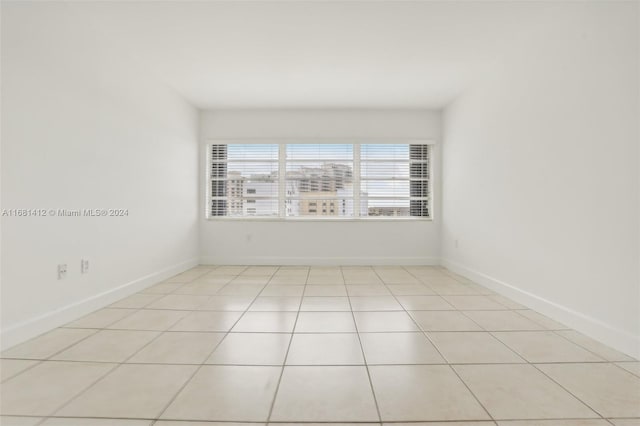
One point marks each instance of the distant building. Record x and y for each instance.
(388, 211)
(310, 191)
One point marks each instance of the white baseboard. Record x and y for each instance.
(31, 328)
(323, 261)
(618, 339)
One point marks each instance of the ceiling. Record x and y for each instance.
(313, 54)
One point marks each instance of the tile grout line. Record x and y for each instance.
(444, 358)
(117, 365)
(204, 360)
(387, 286)
(364, 357)
(286, 355)
(528, 363)
(97, 330)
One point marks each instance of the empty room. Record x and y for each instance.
(343, 212)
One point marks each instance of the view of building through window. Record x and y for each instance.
(319, 180)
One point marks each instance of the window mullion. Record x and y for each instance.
(282, 186)
(356, 180)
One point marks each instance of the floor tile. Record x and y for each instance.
(243, 280)
(199, 289)
(260, 270)
(456, 289)
(229, 270)
(207, 321)
(283, 290)
(367, 290)
(325, 424)
(444, 321)
(505, 301)
(136, 301)
(362, 280)
(19, 421)
(472, 348)
(251, 349)
(324, 280)
(519, 391)
(176, 423)
(632, 367)
(177, 347)
(11, 367)
(598, 348)
(149, 319)
(266, 322)
(48, 344)
(375, 303)
(326, 290)
(47, 386)
(162, 288)
(325, 303)
(565, 422)
(101, 318)
(68, 421)
(396, 276)
(544, 321)
(247, 290)
(609, 390)
(289, 280)
(131, 391)
(425, 303)
(384, 321)
(227, 303)
(440, 281)
(226, 393)
(625, 422)
(276, 304)
(545, 346)
(179, 302)
(322, 394)
(474, 303)
(423, 392)
(410, 290)
(399, 348)
(108, 346)
(325, 349)
(502, 320)
(440, 424)
(214, 279)
(325, 322)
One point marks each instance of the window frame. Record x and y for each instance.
(282, 143)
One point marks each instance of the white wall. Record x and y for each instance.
(82, 127)
(321, 242)
(540, 173)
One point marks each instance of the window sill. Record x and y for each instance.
(305, 219)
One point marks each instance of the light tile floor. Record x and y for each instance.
(289, 345)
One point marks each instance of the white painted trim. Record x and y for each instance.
(618, 339)
(33, 327)
(324, 261)
(288, 140)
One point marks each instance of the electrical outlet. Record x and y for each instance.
(84, 266)
(62, 271)
(455, 243)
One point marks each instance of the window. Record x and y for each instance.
(238, 170)
(320, 180)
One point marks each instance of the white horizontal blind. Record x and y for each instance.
(394, 179)
(320, 180)
(244, 180)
